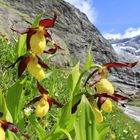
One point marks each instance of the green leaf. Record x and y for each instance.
(40, 131)
(37, 19)
(89, 62)
(15, 99)
(103, 129)
(21, 45)
(3, 108)
(85, 124)
(73, 80)
(11, 136)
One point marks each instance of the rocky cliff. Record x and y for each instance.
(72, 31)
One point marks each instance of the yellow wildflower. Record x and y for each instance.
(104, 86)
(35, 69)
(38, 41)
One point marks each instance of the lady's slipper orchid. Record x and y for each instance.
(5, 125)
(104, 88)
(36, 37)
(34, 65)
(44, 102)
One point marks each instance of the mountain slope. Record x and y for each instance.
(73, 31)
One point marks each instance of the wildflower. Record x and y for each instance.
(36, 37)
(104, 86)
(105, 89)
(5, 125)
(34, 65)
(27, 111)
(44, 102)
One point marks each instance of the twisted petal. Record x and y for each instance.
(44, 65)
(36, 99)
(104, 86)
(130, 65)
(41, 89)
(22, 65)
(115, 97)
(95, 71)
(51, 100)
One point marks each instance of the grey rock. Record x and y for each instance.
(73, 31)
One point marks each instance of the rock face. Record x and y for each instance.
(72, 31)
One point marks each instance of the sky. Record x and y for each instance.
(114, 18)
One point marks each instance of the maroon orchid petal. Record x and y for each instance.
(51, 51)
(20, 31)
(48, 23)
(41, 89)
(10, 126)
(44, 65)
(130, 65)
(13, 128)
(96, 70)
(53, 101)
(115, 97)
(46, 34)
(12, 65)
(74, 108)
(36, 99)
(7, 125)
(22, 65)
(120, 97)
(29, 35)
(101, 100)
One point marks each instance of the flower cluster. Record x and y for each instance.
(44, 102)
(37, 40)
(105, 91)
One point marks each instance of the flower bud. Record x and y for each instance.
(104, 86)
(42, 108)
(2, 134)
(35, 69)
(38, 41)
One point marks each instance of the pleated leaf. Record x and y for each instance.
(85, 124)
